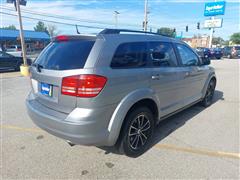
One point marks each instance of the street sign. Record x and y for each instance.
(214, 8)
(213, 23)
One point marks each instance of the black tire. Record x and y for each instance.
(17, 68)
(137, 131)
(207, 100)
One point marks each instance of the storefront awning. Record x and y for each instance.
(6, 34)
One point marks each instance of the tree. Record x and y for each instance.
(40, 27)
(235, 38)
(52, 30)
(166, 31)
(217, 40)
(226, 43)
(11, 27)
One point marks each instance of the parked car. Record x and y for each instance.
(112, 89)
(14, 50)
(10, 62)
(216, 53)
(203, 52)
(231, 52)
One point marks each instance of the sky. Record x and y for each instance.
(94, 15)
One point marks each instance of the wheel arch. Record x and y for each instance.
(135, 99)
(147, 102)
(210, 77)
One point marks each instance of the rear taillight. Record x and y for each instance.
(83, 85)
(234, 50)
(62, 38)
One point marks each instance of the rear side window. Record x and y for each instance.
(130, 55)
(65, 55)
(162, 54)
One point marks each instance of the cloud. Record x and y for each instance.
(68, 9)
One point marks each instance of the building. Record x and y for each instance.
(197, 41)
(34, 40)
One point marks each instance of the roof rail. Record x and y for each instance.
(118, 31)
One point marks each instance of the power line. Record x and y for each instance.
(80, 20)
(54, 16)
(65, 17)
(57, 22)
(178, 27)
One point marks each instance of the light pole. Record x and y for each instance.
(116, 13)
(211, 33)
(145, 22)
(21, 33)
(17, 3)
(211, 36)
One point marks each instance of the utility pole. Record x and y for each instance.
(145, 15)
(21, 33)
(116, 13)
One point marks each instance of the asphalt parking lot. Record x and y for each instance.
(196, 143)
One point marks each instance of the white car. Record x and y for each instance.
(14, 50)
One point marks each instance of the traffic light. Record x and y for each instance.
(198, 25)
(186, 28)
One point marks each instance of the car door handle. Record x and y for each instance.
(155, 77)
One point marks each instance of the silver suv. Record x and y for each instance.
(113, 88)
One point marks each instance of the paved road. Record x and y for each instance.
(196, 143)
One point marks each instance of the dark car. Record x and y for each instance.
(216, 53)
(231, 52)
(10, 62)
(203, 52)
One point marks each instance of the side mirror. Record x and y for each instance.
(205, 60)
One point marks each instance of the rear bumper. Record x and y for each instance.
(81, 126)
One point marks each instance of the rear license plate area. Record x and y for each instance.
(46, 89)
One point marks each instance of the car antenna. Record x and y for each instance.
(77, 29)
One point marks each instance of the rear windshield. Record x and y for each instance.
(65, 55)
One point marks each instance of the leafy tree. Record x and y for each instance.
(52, 30)
(235, 38)
(217, 40)
(226, 43)
(10, 27)
(166, 31)
(40, 27)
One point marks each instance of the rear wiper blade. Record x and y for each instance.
(38, 66)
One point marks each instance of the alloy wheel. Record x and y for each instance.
(210, 92)
(139, 132)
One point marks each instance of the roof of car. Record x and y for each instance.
(123, 35)
(133, 35)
